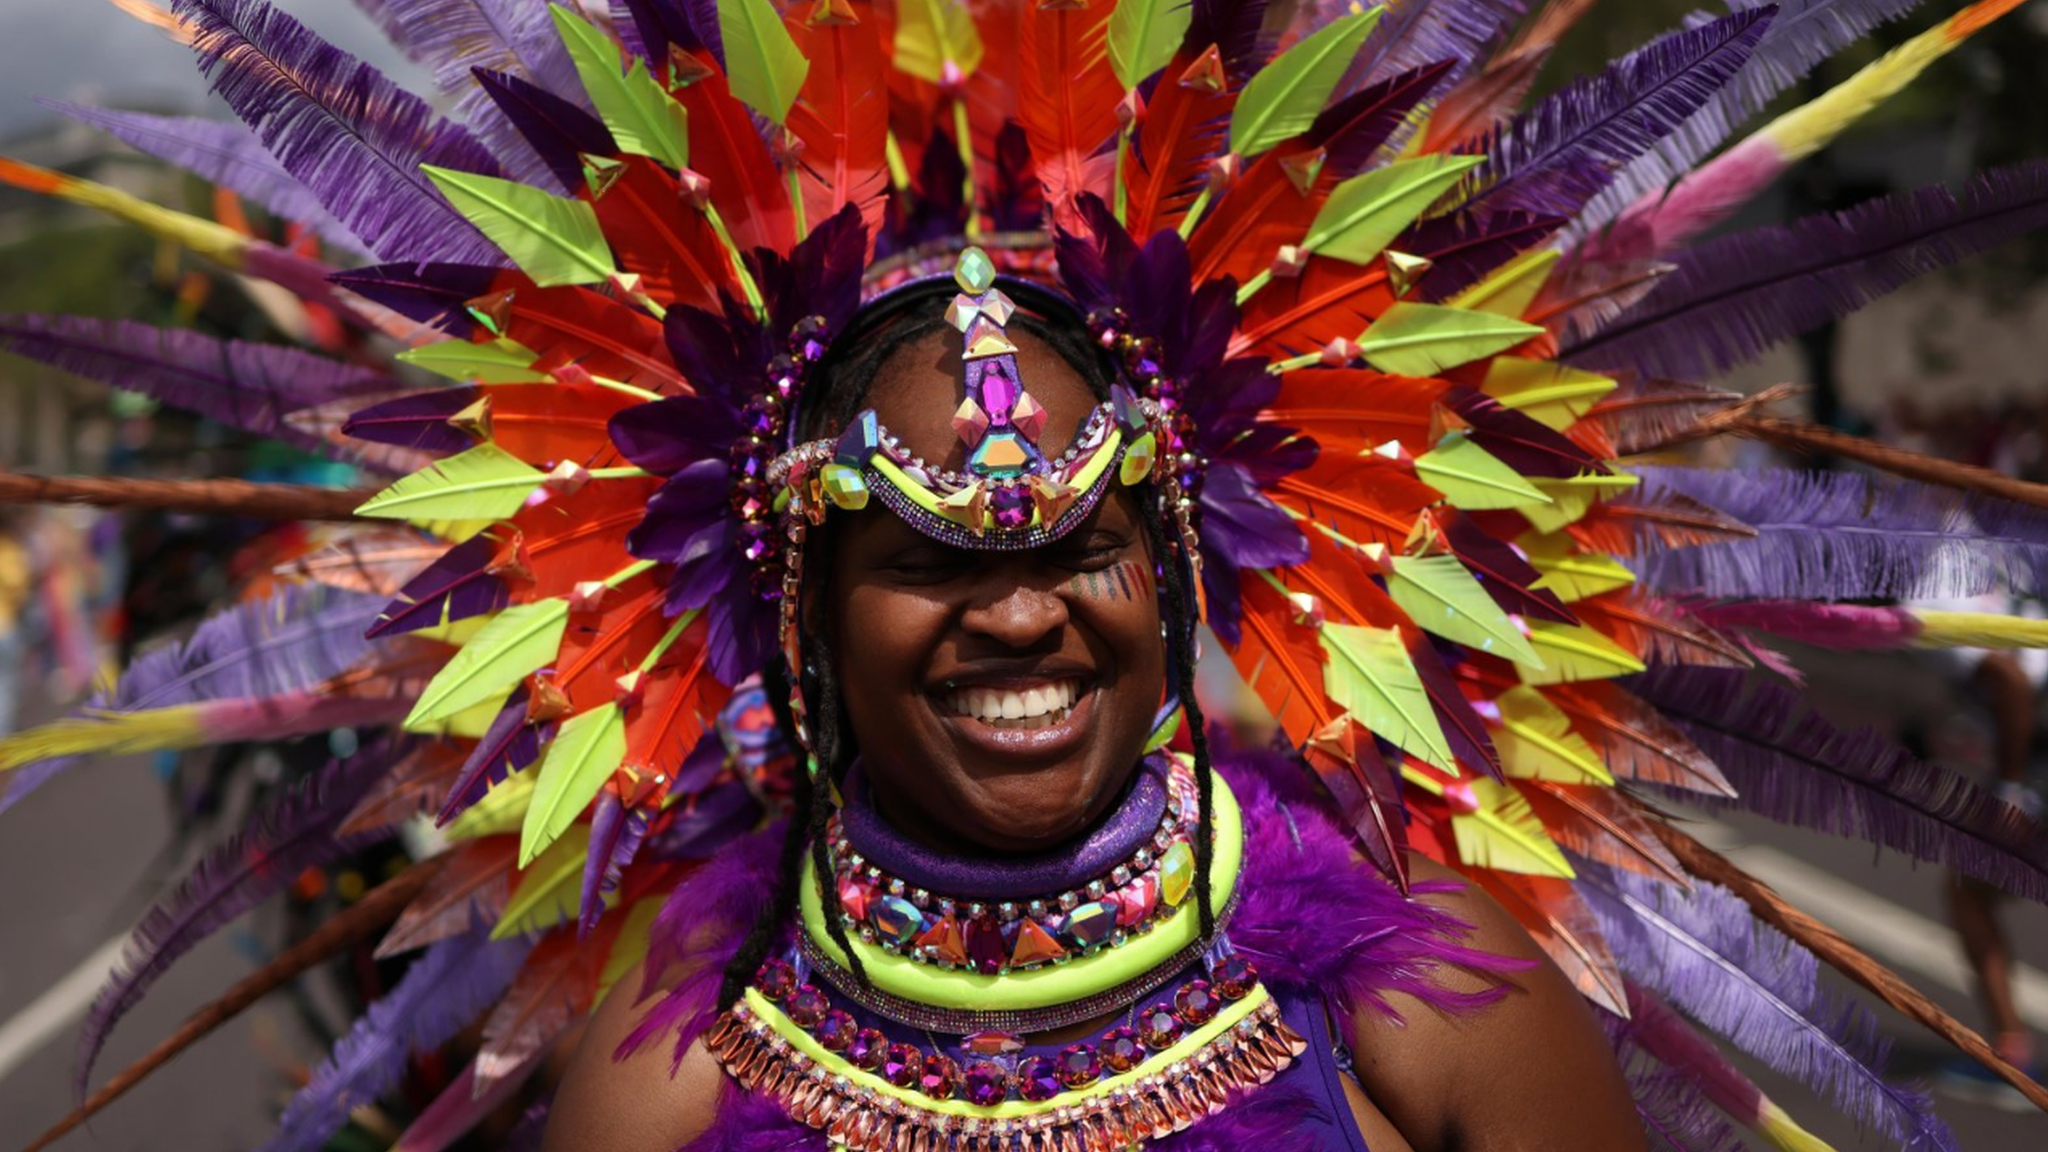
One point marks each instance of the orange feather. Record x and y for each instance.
(658, 236)
(842, 117)
(1068, 103)
(1185, 127)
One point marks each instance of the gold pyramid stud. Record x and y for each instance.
(826, 12)
(1303, 168)
(1206, 73)
(474, 421)
(1404, 271)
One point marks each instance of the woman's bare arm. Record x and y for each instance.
(636, 1104)
(1532, 1072)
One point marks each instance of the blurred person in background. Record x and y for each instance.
(17, 582)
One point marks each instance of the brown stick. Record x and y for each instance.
(1843, 956)
(1800, 436)
(212, 497)
(367, 915)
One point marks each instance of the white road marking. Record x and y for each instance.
(58, 1008)
(1901, 938)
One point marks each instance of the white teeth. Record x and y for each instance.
(1045, 703)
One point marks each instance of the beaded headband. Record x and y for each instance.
(1011, 495)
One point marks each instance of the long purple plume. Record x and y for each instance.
(516, 37)
(221, 153)
(350, 135)
(616, 833)
(1844, 536)
(459, 585)
(510, 744)
(1559, 154)
(436, 295)
(1804, 33)
(1464, 246)
(418, 420)
(441, 994)
(1732, 298)
(1788, 763)
(1416, 32)
(555, 129)
(1710, 957)
(247, 386)
(650, 28)
(296, 832)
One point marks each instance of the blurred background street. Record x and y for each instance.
(1953, 364)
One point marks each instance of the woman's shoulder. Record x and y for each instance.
(645, 1100)
(1503, 1056)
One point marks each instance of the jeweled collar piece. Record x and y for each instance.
(989, 916)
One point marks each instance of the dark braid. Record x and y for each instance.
(739, 971)
(835, 756)
(1176, 575)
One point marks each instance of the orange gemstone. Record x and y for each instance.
(1034, 945)
(945, 941)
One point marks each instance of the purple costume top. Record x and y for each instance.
(1325, 936)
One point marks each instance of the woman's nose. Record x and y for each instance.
(1018, 615)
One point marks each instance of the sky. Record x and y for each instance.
(89, 51)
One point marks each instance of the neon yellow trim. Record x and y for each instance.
(924, 498)
(1050, 985)
(1189, 1045)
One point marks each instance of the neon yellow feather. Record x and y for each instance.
(550, 890)
(1369, 675)
(583, 755)
(1574, 652)
(1536, 742)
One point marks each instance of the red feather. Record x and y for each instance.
(1068, 103)
(543, 424)
(1330, 300)
(1283, 663)
(1369, 499)
(842, 117)
(749, 191)
(1184, 128)
(1352, 410)
(657, 235)
(1602, 824)
(606, 338)
(1262, 211)
(476, 881)
(1560, 921)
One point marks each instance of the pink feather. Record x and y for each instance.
(1848, 627)
(1665, 220)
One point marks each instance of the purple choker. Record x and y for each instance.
(1000, 915)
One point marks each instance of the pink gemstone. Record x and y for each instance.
(1158, 1027)
(1077, 1065)
(1235, 977)
(776, 980)
(903, 1065)
(1012, 507)
(869, 1049)
(1038, 1079)
(970, 421)
(1137, 900)
(1029, 416)
(941, 1076)
(1121, 1049)
(998, 394)
(855, 896)
(985, 1083)
(836, 1031)
(807, 1006)
(1195, 1004)
(985, 945)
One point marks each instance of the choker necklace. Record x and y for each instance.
(987, 916)
(942, 1047)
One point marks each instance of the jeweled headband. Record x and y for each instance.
(1012, 494)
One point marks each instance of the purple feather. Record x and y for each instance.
(418, 421)
(509, 745)
(616, 833)
(296, 832)
(220, 153)
(350, 135)
(1464, 246)
(713, 819)
(1788, 763)
(436, 295)
(461, 584)
(1524, 444)
(1845, 536)
(1732, 298)
(1804, 33)
(1233, 27)
(652, 27)
(252, 387)
(751, 1122)
(1502, 571)
(1462, 33)
(443, 992)
(1709, 955)
(559, 131)
(1353, 128)
(458, 37)
(1556, 156)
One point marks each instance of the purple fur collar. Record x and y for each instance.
(1310, 915)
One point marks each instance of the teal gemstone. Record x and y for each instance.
(861, 440)
(1091, 924)
(1129, 416)
(896, 920)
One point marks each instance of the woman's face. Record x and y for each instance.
(1000, 700)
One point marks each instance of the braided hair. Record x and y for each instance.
(840, 386)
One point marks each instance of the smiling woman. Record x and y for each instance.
(999, 904)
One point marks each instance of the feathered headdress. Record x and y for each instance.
(1389, 335)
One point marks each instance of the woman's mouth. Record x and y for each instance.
(1019, 707)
